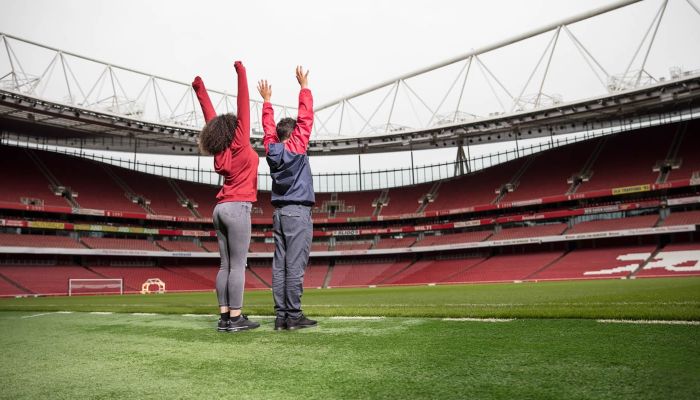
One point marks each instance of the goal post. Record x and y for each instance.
(95, 286)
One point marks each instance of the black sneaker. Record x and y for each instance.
(280, 324)
(300, 323)
(222, 326)
(241, 324)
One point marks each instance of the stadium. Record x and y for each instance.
(551, 251)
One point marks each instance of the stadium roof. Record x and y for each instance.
(164, 117)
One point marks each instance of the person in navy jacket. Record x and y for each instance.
(293, 197)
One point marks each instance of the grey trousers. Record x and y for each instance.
(232, 224)
(292, 230)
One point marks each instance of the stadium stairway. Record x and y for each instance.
(255, 274)
(329, 274)
(628, 159)
(514, 181)
(544, 267)
(10, 287)
(429, 197)
(56, 187)
(390, 273)
(688, 154)
(651, 257)
(128, 192)
(671, 161)
(577, 179)
(380, 202)
(455, 277)
(183, 199)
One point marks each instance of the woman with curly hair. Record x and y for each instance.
(227, 138)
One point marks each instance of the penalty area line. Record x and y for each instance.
(646, 322)
(49, 313)
(479, 319)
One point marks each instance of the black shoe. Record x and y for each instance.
(222, 326)
(280, 324)
(300, 323)
(241, 324)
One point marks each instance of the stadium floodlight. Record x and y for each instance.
(95, 286)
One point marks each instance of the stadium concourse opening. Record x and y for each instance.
(618, 206)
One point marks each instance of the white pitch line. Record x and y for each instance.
(647, 322)
(480, 319)
(144, 313)
(559, 304)
(49, 313)
(36, 315)
(101, 313)
(358, 318)
(198, 315)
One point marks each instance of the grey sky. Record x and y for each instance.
(347, 45)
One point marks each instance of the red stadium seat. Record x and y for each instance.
(604, 225)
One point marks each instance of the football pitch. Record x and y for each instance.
(555, 340)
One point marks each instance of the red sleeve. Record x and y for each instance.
(242, 135)
(268, 122)
(299, 140)
(203, 97)
(222, 160)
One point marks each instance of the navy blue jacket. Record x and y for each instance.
(291, 177)
(292, 182)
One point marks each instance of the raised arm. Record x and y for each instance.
(203, 97)
(268, 114)
(305, 115)
(242, 135)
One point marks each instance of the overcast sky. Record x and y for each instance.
(346, 45)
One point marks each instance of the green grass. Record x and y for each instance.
(170, 356)
(555, 349)
(676, 298)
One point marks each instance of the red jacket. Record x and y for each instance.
(299, 139)
(238, 164)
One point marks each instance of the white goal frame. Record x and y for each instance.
(119, 281)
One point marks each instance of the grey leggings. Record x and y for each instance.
(232, 224)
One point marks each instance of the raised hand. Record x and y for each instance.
(302, 78)
(265, 90)
(238, 65)
(197, 83)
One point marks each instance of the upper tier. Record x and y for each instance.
(623, 160)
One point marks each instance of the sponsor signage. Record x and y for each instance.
(631, 189)
(683, 200)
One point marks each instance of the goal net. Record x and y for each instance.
(95, 286)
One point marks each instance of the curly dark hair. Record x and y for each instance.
(285, 128)
(217, 134)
